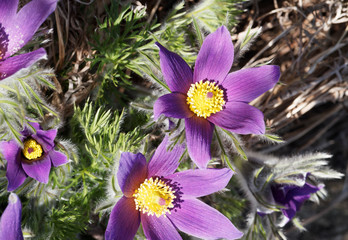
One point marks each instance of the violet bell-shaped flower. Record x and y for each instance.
(291, 197)
(34, 160)
(10, 221)
(164, 201)
(16, 29)
(210, 95)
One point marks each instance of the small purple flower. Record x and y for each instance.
(164, 201)
(292, 197)
(34, 160)
(210, 95)
(10, 222)
(16, 29)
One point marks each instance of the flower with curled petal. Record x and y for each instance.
(34, 160)
(291, 197)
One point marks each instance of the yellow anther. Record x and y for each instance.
(154, 197)
(205, 98)
(32, 149)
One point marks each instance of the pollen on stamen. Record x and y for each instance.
(205, 98)
(32, 149)
(154, 197)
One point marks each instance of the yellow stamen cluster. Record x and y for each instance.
(32, 149)
(154, 197)
(205, 98)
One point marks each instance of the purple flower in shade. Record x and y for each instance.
(10, 222)
(210, 95)
(34, 160)
(164, 201)
(292, 197)
(16, 29)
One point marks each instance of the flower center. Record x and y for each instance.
(32, 149)
(205, 98)
(154, 197)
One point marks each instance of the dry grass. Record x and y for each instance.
(69, 53)
(309, 42)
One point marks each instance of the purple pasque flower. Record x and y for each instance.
(292, 197)
(164, 201)
(16, 29)
(34, 160)
(10, 222)
(210, 95)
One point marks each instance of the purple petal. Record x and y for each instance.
(35, 125)
(158, 228)
(132, 171)
(215, 58)
(45, 138)
(172, 105)
(165, 161)
(239, 117)
(15, 175)
(292, 197)
(8, 8)
(14, 171)
(57, 158)
(39, 170)
(176, 72)
(124, 221)
(247, 84)
(284, 193)
(200, 220)
(12, 65)
(10, 222)
(306, 190)
(199, 133)
(9, 150)
(27, 131)
(198, 183)
(278, 193)
(289, 213)
(292, 206)
(28, 20)
(296, 197)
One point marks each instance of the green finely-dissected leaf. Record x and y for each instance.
(101, 129)
(118, 40)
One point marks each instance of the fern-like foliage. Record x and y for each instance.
(101, 130)
(118, 39)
